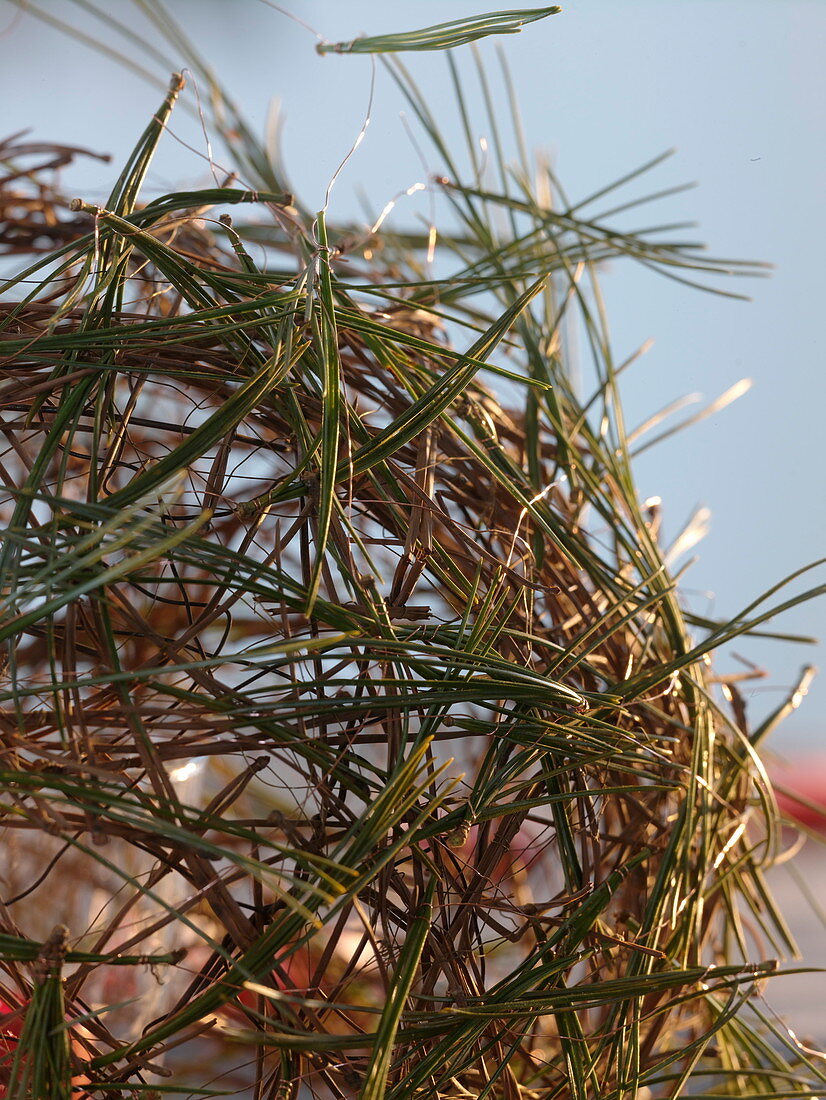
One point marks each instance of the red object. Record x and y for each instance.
(800, 787)
(11, 1025)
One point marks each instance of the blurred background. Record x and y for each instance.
(740, 90)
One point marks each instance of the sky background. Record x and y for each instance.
(738, 88)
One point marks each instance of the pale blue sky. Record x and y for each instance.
(739, 88)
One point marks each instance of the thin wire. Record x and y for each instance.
(360, 137)
(204, 130)
(295, 19)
